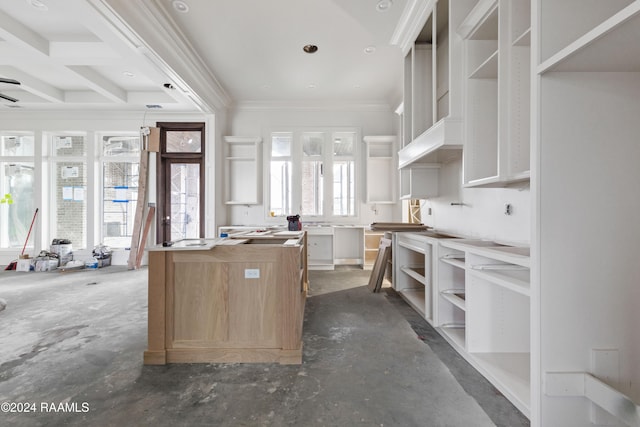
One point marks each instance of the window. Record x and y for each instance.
(280, 167)
(69, 188)
(16, 189)
(325, 162)
(120, 161)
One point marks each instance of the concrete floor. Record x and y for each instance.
(72, 343)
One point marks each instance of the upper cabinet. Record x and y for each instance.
(432, 126)
(497, 82)
(243, 161)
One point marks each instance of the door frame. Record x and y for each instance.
(163, 163)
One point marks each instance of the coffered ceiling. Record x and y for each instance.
(201, 55)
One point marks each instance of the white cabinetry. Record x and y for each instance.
(348, 244)
(319, 247)
(381, 183)
(433, 94)
(412, 278)
(497, 86)
(419, 181)
(483, 309)
(243, 163)
(587, 150)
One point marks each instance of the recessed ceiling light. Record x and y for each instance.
(369, 49)
(37, 4)
(384, 5)
(180, 6)
(128, 74)
(311, 86)
(310, 48)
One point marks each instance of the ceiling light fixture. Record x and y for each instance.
(384, 5)
(369, 50)
(310, 48)
(37, 4)
(128, 74)
(312, 86)
(180, 6)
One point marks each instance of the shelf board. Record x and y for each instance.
(509, 372)
(411, 247)
(416, 273)
(415, 298)
(455, 336)
(488, 69)
(523, 39)
(481, 22)
(454, 299)
(610, 46)
(456, 262)
(516, 285)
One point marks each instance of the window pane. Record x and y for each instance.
(71, 205)
(120, 193)
(312, 188)
(312, 144)
(16, 145)
(114, 146)
(344, 201)
(281, 145)
(344, 143)
(183, 141)
(185, 201)
(16, 204)
(69, 145)
(280, 188)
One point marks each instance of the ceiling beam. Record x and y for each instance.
(33, 85)
(100, 84)
(14, 31)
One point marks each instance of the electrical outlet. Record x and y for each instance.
(251, 273)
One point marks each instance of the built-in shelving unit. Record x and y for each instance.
(381, 185)
(243, 165)
(497, 36)
(484, 311)
(412, 278)
(452, 295)
(586, 93)
(432, 107)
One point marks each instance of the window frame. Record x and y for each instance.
(328, 165)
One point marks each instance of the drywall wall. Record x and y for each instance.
(479, 212)
(259, 120)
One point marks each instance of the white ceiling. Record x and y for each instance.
(118, 54)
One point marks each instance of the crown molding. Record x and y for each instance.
(413, 18)
(148, 26)
(310, 106)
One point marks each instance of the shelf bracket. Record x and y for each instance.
(583, 384)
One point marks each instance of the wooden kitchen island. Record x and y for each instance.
(228, 300)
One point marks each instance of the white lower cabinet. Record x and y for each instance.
(476, 294)
(412, 278)
(484, 311)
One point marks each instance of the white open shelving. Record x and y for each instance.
(484, 311)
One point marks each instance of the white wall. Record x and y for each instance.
(482, 213)
(253, 121)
